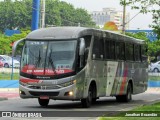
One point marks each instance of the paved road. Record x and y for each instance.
(107, 106)
(103, 104)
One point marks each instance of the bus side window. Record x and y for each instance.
(137, 53)
(87, 39)
(110, 49)
(120, 52)
(98, 48)
(129, 52)
(143, 53)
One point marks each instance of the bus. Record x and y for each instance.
(78, 63)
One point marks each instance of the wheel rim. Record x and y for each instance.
(89, 97)
(129, 93)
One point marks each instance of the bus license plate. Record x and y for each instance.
(44, 97)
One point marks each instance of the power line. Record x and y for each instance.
(135, 15)
(74, 23)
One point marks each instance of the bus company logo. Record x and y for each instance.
(6, 114)
(43, 87)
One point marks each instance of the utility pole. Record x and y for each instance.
(43, 14)
(35, 14)
(124, 17)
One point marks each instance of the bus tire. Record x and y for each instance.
(86, 102)
(43, 102)
(127, 97)
(94, 100)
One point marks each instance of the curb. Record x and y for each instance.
(2, 99)
(9, 89)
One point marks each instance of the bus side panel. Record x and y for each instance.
(123, 74)
(140, 78)
(130, 71)
(80, 83)
(112, 68)
(95, 71)
(118, 78)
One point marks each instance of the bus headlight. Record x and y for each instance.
(68, 83)
(69, 93)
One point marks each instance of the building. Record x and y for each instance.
(109, 14)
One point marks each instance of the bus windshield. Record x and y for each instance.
(48, 57)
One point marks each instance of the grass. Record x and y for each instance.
(147, 109)
(7, 76)
(154, 78)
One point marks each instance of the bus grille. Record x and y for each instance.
(44, 93)
(44, 87)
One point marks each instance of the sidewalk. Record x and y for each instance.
(153, 90)
(8, 93)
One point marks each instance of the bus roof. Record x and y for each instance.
(51, 33)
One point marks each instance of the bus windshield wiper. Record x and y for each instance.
(37, 62)
(52, 63)
(38, 59)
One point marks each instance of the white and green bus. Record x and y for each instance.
(77, 63)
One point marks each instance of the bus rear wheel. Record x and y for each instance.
(127, 97)
(43, 102)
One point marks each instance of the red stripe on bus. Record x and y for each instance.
(123, 81)
(30, 81)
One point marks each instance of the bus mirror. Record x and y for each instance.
(94, 56)
(82, 47)
(15, 45)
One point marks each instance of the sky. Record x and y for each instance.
(141, 21)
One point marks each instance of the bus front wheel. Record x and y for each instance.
(43, 102)
(86, 102)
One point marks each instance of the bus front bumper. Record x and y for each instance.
(65, 93)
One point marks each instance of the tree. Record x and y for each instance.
(17, 13)
(6, 41)
(146, 6)
(153, 47)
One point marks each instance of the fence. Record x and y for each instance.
(6, 74)
(153, 74)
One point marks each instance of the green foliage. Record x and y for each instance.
(15, 14)
(6, 41)
(153, 47)
(18, 14)
(145, 6)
